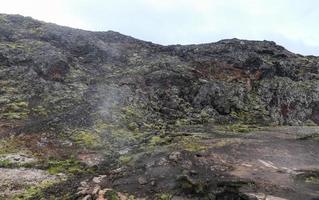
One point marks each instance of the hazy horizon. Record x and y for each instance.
(289, 23)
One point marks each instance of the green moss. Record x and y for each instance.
(164, 196)
(131, 114)
(87, 138)
(132, 117)
(243, 116)
(15, 45)
(3, 19)
(310, 123)
(69, 166)
(190, 185)
(239, 115)
(131, 159)
(239, 128)
(224, 142)
(17, 116)
(182, 122)
(15, 110)
(111, 195)
(131, 111)
(37, 31)
(204, 116)
(119, 137)
(26, 47)
(159, 125)
(131, 197)
(132, 126)
(191, 143)
(312, 179)
(21, 104)
(8, 164)
(7, 87)
(155, 140)
(9, 145)
(100, 125)
(35, 192)
(313, 136)
(5, 164)
(40, 111)
(125, 159)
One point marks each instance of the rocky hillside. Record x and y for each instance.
(55, 73)
(97, 95)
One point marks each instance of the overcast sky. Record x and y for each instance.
(291, 23)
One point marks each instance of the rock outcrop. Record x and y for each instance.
(49, 70)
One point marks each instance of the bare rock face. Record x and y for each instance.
(14, 181)
(17, 158)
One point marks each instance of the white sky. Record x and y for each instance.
(291, 23)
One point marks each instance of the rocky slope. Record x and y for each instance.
(82, 103)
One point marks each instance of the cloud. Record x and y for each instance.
(292, 23)
(55, 11)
